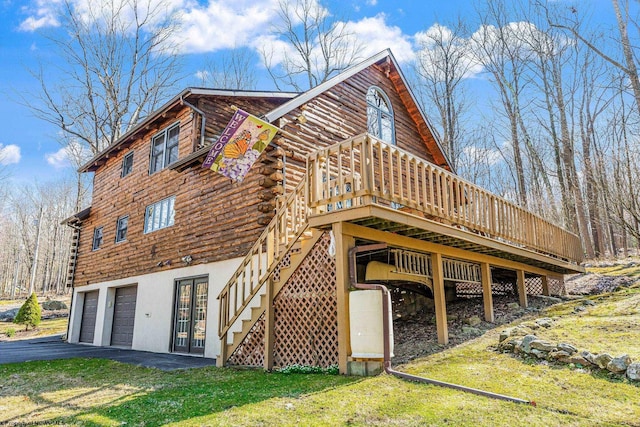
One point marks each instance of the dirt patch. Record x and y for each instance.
(417, 336)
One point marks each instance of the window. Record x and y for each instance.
(121, 228)
(127, 164)
(164, 148)
(97, 238)
(159, 215)
(380, 116)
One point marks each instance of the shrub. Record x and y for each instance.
(30, 312)
(10, 332)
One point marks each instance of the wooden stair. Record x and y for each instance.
(298, 253)
(288, 233)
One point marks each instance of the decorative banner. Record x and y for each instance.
(239, 145)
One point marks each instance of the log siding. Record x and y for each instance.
(216, 219)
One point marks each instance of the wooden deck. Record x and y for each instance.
(369, 184)
(365, 191)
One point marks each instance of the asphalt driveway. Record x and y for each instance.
(52, 348)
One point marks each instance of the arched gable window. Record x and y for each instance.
(380, 115)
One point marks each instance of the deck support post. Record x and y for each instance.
(342, 243)
(487, 296)
(545, 285)
(439, 298)
(269, 328)
(522, 289)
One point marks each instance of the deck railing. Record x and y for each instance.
(365, 170)
(279, 235)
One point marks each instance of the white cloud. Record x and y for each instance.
(42, 14)
(71, 155)
(439, 48)
(202, 75)
(59, 159)
(371, 2)
(224, 24)
(9, 154)
(375, 35)
(489, 156)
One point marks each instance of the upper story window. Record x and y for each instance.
(121, 228)
(159, 215)
(380, 115)
(97, 238)
(164, 148)
(127, 164)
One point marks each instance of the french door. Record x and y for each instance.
(190, 321)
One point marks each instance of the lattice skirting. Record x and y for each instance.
(556, 287)
(251, 351)
(305, 317)
(474, 290)
(533, 285)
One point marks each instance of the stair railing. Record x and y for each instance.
(288, 224)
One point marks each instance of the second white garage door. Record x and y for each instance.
(124, 313)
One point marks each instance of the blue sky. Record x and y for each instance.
(28, 147)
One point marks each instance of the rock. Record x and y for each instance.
(545, 322)
(54, 305)
(539, 354)
(588, 302)
(567, 347)
(531, 325)
(513, 306)
(526, 343)
(602, 360)
(619, 365)
(510, 344)
(9, 315)
(633, 371)
(543, 345)
(579, 308)
(473, 321)
(559, 355)
(576, 359)
(470, 330)
(589, 357)
(517, 331)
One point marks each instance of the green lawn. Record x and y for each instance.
(46, 327)
(107, 393)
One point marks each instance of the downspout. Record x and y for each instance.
(353, 278)
(202, 115)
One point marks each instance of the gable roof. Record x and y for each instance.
(295, 100)
(177, 100)
(439, 154)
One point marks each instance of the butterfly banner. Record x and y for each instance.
(239, 145)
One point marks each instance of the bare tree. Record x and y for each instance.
(498, 48)
(444, 61)
(34, 246)
(118, 65)
(233, 70)
(624, 47)
(319, 46)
